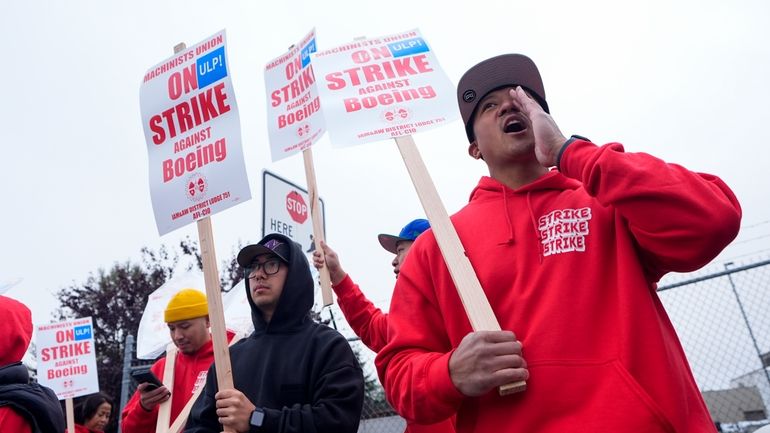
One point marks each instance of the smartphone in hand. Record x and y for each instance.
(145, 375)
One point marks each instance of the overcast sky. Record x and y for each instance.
(685, 81)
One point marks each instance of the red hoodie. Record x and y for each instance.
(371, 325)
(14, 340)
(569, 263)
(189, 375)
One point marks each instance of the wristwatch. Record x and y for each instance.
(569, 141)
(257, 417)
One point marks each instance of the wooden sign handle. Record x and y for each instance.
(213, 296)
(181, 419)
(164, 410)
(214, 299)
(69, 407)
(471, 293)
(318, 231)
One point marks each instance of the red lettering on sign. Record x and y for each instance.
(185, 81)
(66, 351)
(387, 70)
(68, 335)
(207, 105)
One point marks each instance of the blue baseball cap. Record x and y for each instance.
(408, 233)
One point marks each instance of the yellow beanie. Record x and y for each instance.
(187, 304)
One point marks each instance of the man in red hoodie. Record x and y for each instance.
(568, 240)
(368, 321)
(188, 322)
(24, 407)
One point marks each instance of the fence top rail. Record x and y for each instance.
(727, 271)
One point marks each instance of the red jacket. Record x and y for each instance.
(371, 325)
(10, 421)
(24, 406)
(189, 374)
(569, 263)
(367, 321)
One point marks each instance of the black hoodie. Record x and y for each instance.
(302, 374)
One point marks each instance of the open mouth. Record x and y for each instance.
(513, 125)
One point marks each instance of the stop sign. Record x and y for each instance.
(296, 206)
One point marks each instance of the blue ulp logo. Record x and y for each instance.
(211, 68)
(408, 47)
(83, 332)
(305, 54)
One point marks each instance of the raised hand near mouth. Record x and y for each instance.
(548, 137)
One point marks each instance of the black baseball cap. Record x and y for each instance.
(268, 245)
(492, 74)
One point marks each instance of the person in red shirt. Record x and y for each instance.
(24, 407)
(368, 321)
(188, 322)
(568, 240)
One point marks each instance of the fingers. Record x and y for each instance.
(487, 359)
(508, 375)
(523, 101)
(226, 394)
(496, 336)
(233, 409)
(318, 261)
(327, 249)
(150, 391)
(151, 398)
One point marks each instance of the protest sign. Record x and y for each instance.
(296, 89)
(294, 117)
(209, 118)
(386, 87)
(192, 130)
(66, 358)
(395, 80)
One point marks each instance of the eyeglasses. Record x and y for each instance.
(270, 267)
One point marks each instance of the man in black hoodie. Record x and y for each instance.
(291, 374)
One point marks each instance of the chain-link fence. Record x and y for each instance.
(722, 317)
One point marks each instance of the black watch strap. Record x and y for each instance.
(569, 141)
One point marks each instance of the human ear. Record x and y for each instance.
(473, 150)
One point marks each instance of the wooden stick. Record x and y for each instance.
(181, 419)
(213, 296)
(471, 293)
(70, 409)
(318, 232)
(214, 299)
(164, 410)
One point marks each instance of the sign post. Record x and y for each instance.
(295, 122)
(393, 87)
